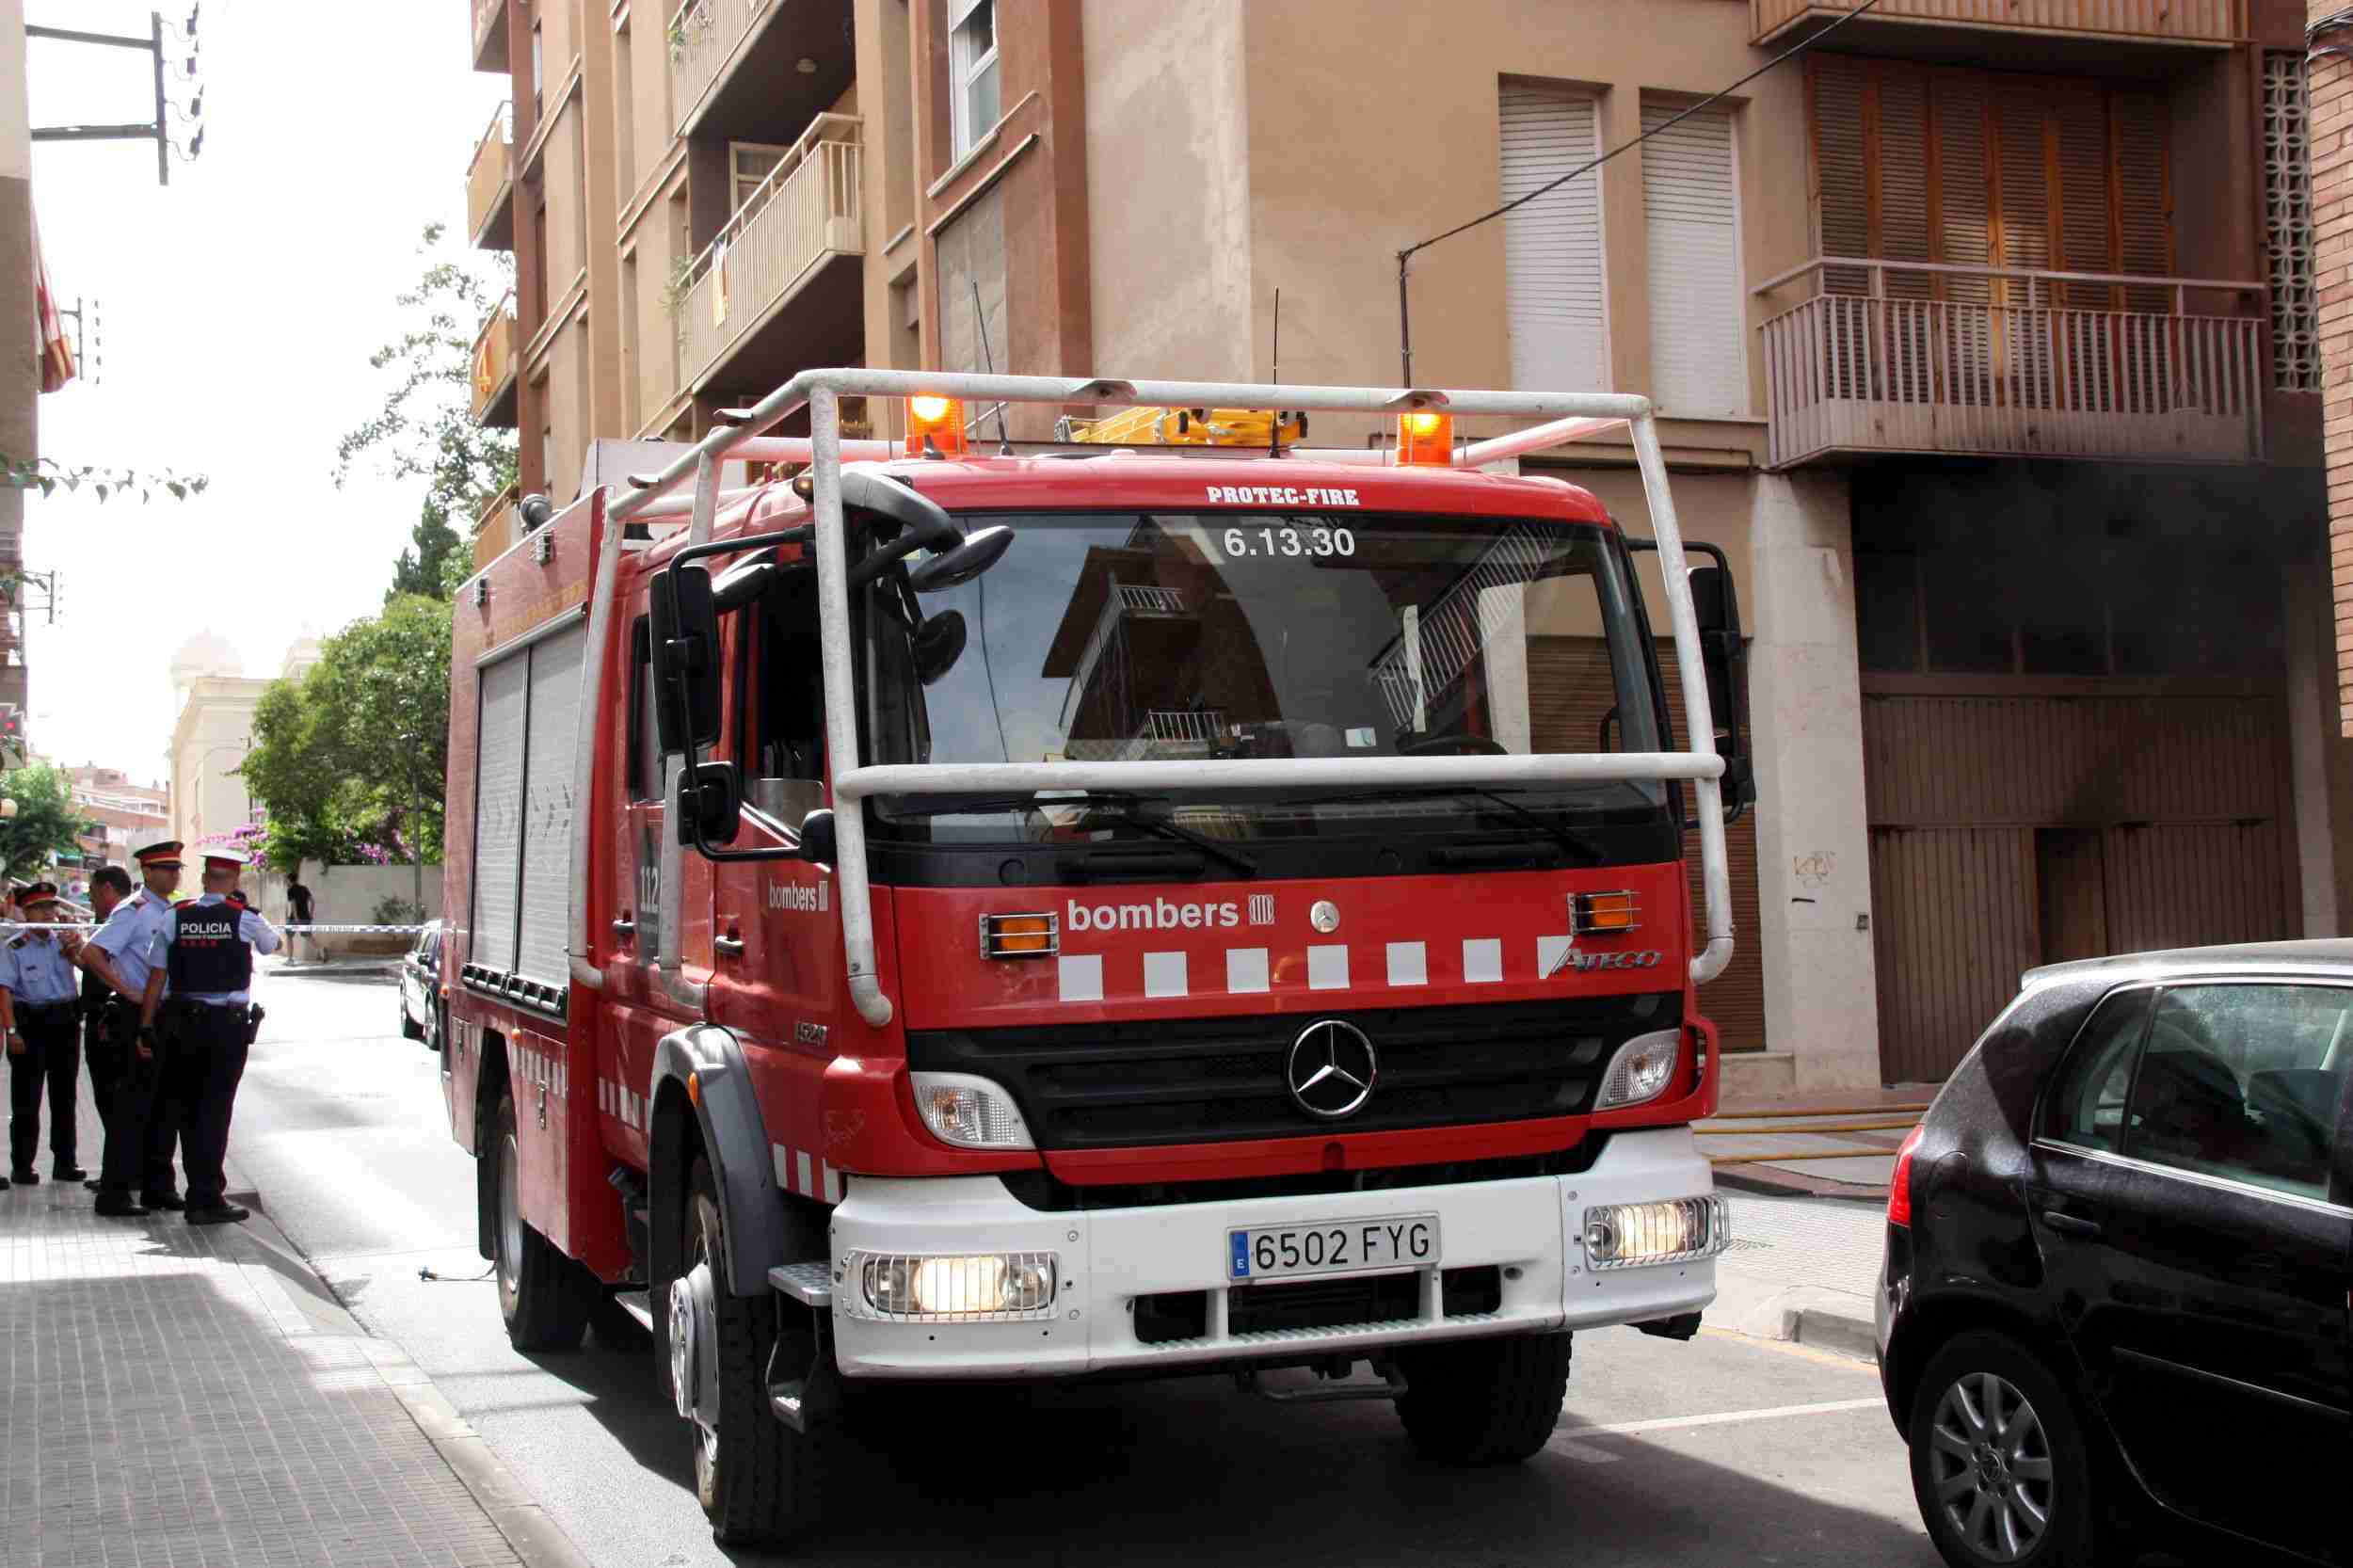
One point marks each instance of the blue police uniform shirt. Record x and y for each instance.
(36, 969)
(250, 928)
(128, 936)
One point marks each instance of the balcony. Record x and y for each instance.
(497, 529)
(490, 185)
(2000, 361)
(743, 70)
(779, 287)
(494, 368)
(1899, 26)
(489, 34)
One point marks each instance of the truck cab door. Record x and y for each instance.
(660, 896)
(778, 926)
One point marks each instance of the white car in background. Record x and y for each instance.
(421, 987)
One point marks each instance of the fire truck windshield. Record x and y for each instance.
(1105, 636)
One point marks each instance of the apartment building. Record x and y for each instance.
(1984, 335)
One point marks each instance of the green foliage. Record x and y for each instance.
(396, 910)
(353, 755)
(425, 427)
(48, 476)
(45, 822)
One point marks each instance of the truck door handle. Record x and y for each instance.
(729, 947)
(2071, 1225)
(625, 928)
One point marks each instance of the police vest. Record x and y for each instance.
(207, 954)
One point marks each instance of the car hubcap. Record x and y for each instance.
(1990, 1462)
(510, 1218)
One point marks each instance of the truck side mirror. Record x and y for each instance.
(711, 804)
(1724, 655)
(817, 841)
(684, 634)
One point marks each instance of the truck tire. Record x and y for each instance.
(544, 1296)
(1483, 1402)
(758, 1482)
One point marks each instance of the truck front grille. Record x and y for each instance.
(1189, 1080)
(1175, 1315)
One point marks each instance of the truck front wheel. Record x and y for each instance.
(1483, 1402)
(544, 1296)
(757, 1479)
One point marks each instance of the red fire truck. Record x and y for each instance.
(968, 914)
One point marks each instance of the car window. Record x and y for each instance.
(2086, 1103)
(2242, 1081)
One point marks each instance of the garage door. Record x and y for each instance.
(2012, 830)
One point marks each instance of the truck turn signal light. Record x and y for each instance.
(1603, 914)
(936, 423)
(1019, 936)
(1425, 436)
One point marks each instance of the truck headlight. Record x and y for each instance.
(980, 1285)
(1642, 1070)
(1682, 1230)
(970, 1113)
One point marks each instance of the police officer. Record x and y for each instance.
(206, 952)
(108, 887)
(37, 1009)
(138, 1142)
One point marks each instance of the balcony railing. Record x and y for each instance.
(497, 529)
(806, 212)
(489, 34)
(1924, 357)
(2201, 21)
(703, 36)
(494, 367)
(491, 185)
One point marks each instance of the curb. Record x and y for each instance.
(524, 1524)
(1837, 1332)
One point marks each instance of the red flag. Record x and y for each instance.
(55, 349)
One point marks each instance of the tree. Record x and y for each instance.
(353, 756)
(46, 820)
(426, 427)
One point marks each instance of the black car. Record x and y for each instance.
(2113, 1311)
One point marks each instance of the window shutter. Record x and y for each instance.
(1552, 248)
(1842, 215)
(1692, 231)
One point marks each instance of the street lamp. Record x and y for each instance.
(410, 741)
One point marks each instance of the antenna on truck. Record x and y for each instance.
(1274, 374)
(980, 330)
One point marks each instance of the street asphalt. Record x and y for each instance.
(1726, 1450)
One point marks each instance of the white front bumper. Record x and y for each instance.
(1532, 1228)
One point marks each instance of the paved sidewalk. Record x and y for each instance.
(1802, 1268)
(193, 1396)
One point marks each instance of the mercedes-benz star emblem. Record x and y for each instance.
(1332, 1069)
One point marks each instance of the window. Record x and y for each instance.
(1691, 221)
(972, 96)
(2242, 1081)
(632, 376)
(625, 112)
(780, 701)
(537, 72)
(1553, 288)
(645, 742)
(2086, 1103)
(2288, 224)
(750, 164)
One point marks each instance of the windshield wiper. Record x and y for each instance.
(1119, 806)
(1571, 843)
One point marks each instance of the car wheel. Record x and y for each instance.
(544, 1296)
(1999, 1463)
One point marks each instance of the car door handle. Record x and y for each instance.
(2071, 1225)
(625, 928)
(729, 947)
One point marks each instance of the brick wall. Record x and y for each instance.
(2331, 136)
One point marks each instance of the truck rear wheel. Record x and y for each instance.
(757, 1479)
(544, 1296)
(1483, 1402)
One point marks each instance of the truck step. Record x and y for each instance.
(1389, 1388)
(810, 1283)
(638, 1305)
(789, 1402)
